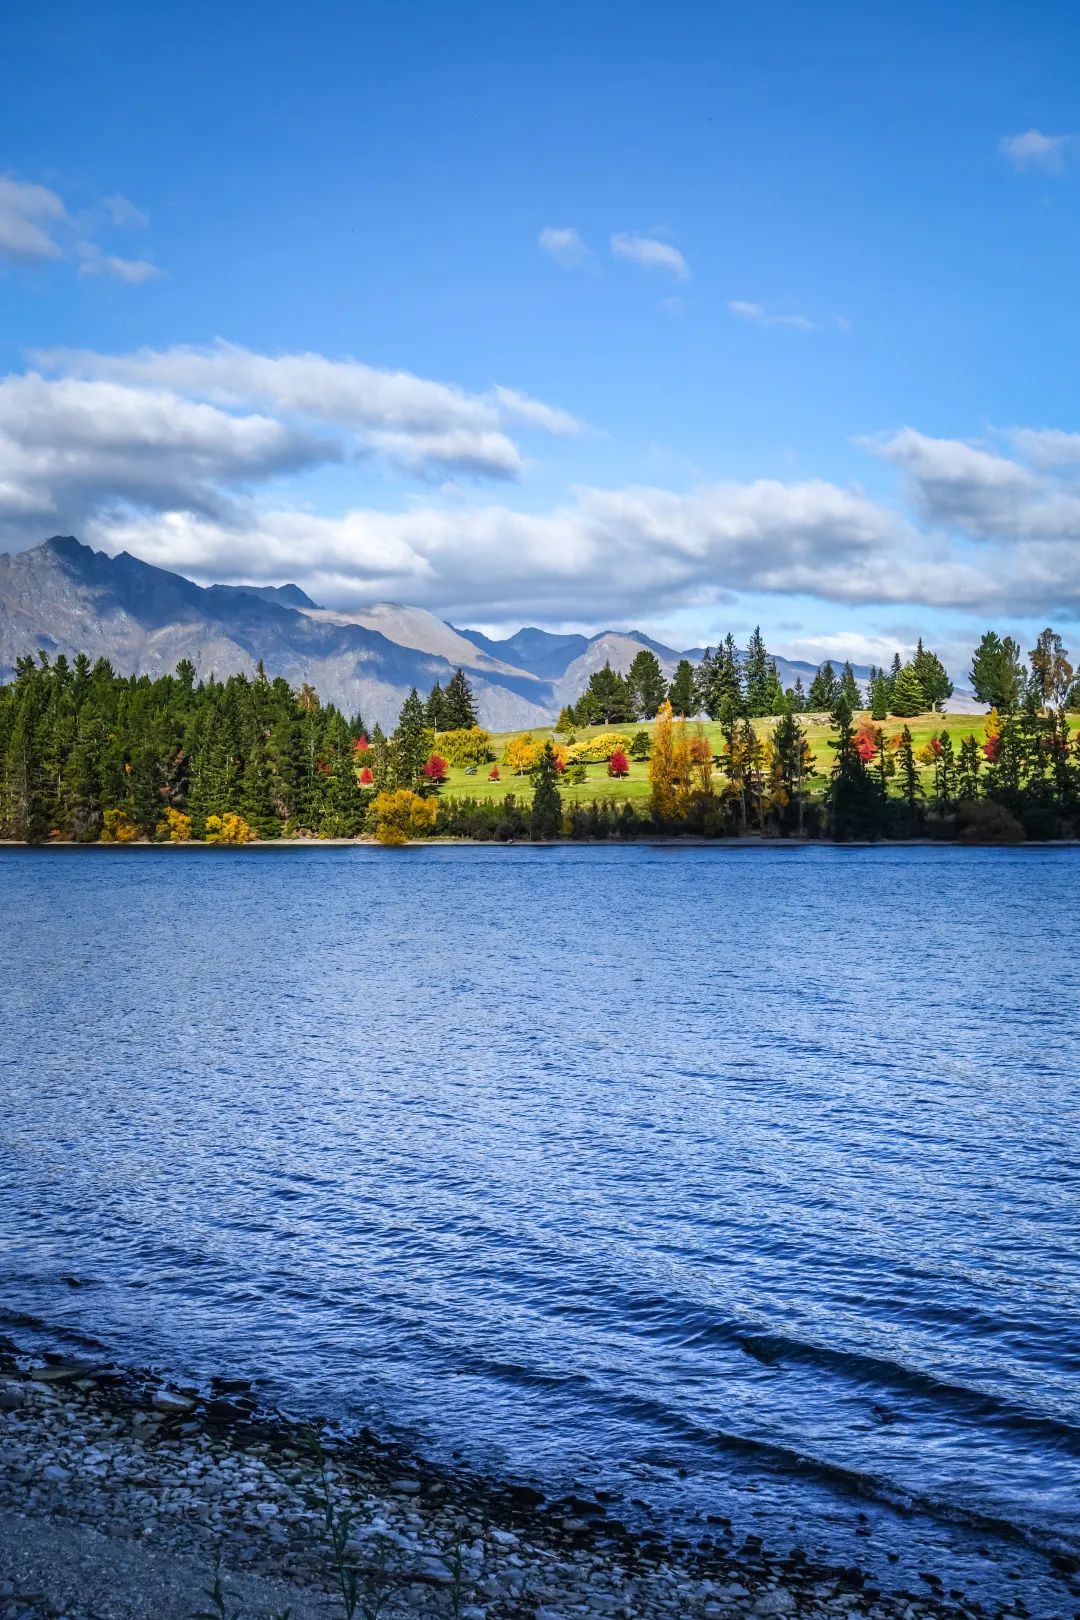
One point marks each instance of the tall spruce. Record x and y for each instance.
(545, 817)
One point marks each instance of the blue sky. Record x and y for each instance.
(789, 291)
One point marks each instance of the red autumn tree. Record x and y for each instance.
(435, 768)
(366, 776)
(360, 746)
(493, 774)
(867, 740)
(618, 764)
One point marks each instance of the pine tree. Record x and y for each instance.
(849, 687)
(774, 691)
(890, 680)
(682, 693)
(756, 676)
(996, 674)
(967, 776)
(825, 691)
(459, 709)
(792, 761)
(410, 743)
(435, 709)
(879, 699)
(853, 799)
(545, 820)
(945, 774)
(908, 697)
(646, 684)
(797, 697)
(910, 787)
(933, 678)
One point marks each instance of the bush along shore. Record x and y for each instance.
(126, 1498)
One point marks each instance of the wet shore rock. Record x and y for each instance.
(121, 1495)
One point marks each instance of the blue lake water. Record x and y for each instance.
(743, 1182)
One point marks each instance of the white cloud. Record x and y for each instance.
(565, 245)
(1034, 150)
(133, 271)
(413, 420)
(758, 315)
(68, 448)
(852, 645)
(650, 253)
(612, 552)
(30, 217)
(123, 212)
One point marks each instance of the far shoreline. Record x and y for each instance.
(753, 841)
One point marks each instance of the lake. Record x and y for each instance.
(742, 1182)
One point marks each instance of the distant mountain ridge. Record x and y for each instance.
(63, 596)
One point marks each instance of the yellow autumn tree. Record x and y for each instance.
(402, 815)
(522, 753)
(229, 829)
(174, 826)
(669, 765)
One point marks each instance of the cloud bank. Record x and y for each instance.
(181, 455)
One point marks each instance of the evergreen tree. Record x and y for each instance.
(945, 774)
(459, 709)
(996, 672)
(891, 679)
(545, 819)
(932, 676)
(410, 743)
(825, 690)
(849, 687)
(853, 799)
(646, 684)
(908, 697)
(879, 699)
(565, 724)
(792, 762)
(435, 710)
(774, 691)
(967, 776)
(756, 676)
(796, 696)
(682, 695)
(606, 700)
(910, 786)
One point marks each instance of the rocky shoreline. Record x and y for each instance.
(120, 1494)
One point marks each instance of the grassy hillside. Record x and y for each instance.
(599, 785)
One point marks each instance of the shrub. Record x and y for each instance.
(402, 815)
(599, 749)
(469, 745)
(493, 774)
(640, 747)
(367, 776)
(117, 827)
(618, 764)
(435, 769)
(174, 826)
(982, 821)
(229, 829)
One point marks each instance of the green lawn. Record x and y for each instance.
(599, 785)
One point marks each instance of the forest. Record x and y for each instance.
(91, 756)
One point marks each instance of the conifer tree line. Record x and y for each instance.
(730, 684)
(89, 755)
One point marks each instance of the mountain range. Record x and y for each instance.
(64, 597)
